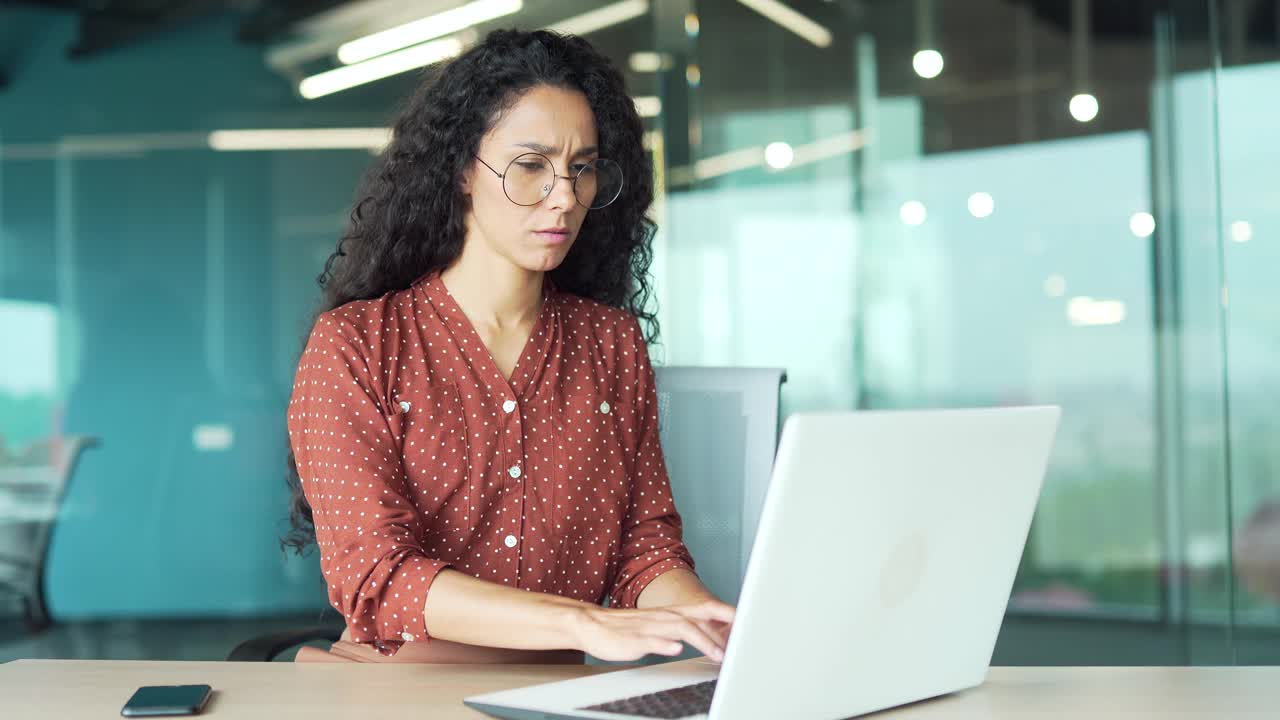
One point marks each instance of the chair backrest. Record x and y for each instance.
(719, 429)
(63, 454)
(33, 484)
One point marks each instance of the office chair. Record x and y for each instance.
(33, 485)
(266, 648)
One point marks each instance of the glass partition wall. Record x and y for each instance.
(904, 203)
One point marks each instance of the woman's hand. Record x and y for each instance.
(621, 635)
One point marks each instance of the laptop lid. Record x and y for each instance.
(886, 553)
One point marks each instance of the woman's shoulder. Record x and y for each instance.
(596, 318)
(367, 319)
(610, 334)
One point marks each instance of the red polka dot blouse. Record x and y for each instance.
(416, 454)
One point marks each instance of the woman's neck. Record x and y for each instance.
(493, 292)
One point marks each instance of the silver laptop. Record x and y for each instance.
(884, 560)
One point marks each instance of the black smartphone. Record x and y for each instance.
(164, 700)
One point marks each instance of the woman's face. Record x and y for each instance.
(559, 124)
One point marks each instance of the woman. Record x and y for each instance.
(474, 421)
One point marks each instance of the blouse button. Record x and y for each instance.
(514, 471)
(604, 408)
(404, 405)
(408, 637)
(509, 406)
(510, 541)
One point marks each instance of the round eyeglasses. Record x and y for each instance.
(529, 178)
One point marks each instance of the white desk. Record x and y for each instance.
(70, 689)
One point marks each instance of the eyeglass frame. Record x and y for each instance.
(573, 181)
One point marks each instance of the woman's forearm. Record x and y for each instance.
(674, 587)
(464, 609)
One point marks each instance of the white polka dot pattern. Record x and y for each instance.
(416, 454)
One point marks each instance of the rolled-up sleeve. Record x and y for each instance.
(652, 533)
(352, 474)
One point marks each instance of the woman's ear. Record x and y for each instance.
(468, 176)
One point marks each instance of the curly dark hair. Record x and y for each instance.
(408, 220)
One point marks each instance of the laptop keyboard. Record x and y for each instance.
(674, 703)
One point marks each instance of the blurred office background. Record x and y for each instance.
(904, 203)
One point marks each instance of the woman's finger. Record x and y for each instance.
(660, 645)
(721, 631)
(689, 632)
(714, 630)
(709, 610)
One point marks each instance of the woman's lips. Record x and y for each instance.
(552, 236)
